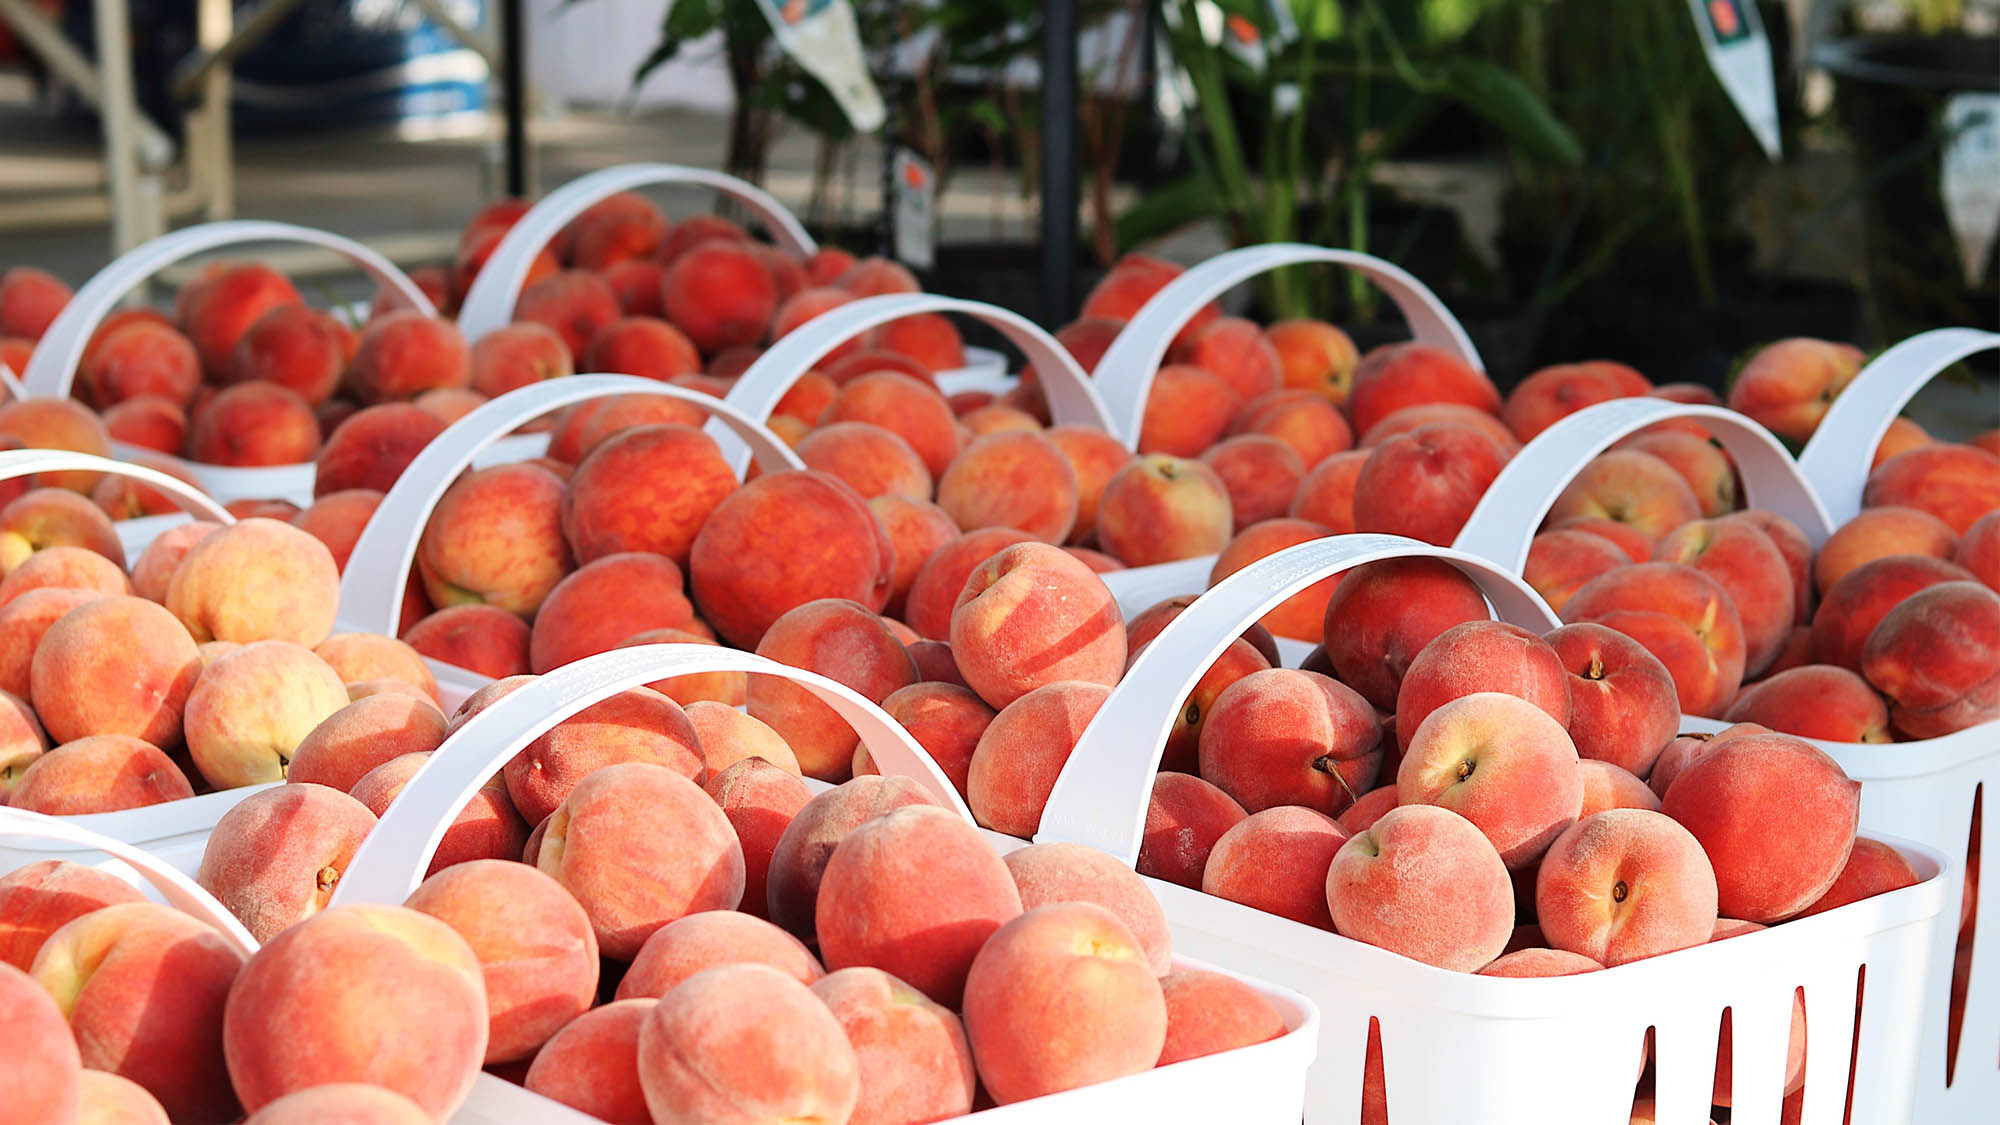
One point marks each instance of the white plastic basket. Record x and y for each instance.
(52, 369)
(1922, 791)
(1262, 1083)
(371, 589)
(1520, 1052)
(176, 830)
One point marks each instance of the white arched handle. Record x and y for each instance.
(177, 889)
(1073, 399)
(1837, 458)
(371, 589)
(1502, 527)
(52, 368)
(1101, 797)
(28, 462)
(1125, 375)
(392, 861)
(489, 304)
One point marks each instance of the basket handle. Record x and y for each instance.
(1504, 523)
(371, 590)
(1125, 375)
(1072, 395)
(393, 859)
(1101, 796)
(28, 462)
(1836, 459)
(53, 366)
(176, 888)
(489, 304)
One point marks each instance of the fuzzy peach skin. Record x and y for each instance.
(710, 939)
(486, 827)
(109, 1099)
(536, 951)
(1326, 494)
(1426, 883)
(639, 846)
(1937, 658)
(1549, 395)
(1746, 564)
(1876, 533)
(1776, 816)
(1790, 540)
(1815, 701)
(1187, 410)
(1182, 750)
(54, 423)
(1184, 819)
(745, 1044)
(916, 894)
(592, 1064)
(1502, 763)
(276, 856)
(1787, 386)
(1561, 562)
(40, 1069)
(143, 987)
(945, 719)
(23, 623)
(341, 1103)
(872, 460)
(1857, 603)
(604, 601)
(1539, 963)
(1382, 614)
(1681, 616)
(1236, 351)
(907, 407)
(759, 800)
(1481, 656)
(1872, 868)
(1637, 545)
(1160, 508)
(1021, 753)
(362, 735)
(39, 898)
(1316, 356)
(1033, 615)
(382, 995)
(727, 736)
(1286, 737)
(155, 566)
(1302, 616)
(1260, 473)
(477, 637)
(646, 489)
(1307, 424)
(1623, 706)
(845, 641)
(1707, 469)
(1686, 748)
(1979, 550)
(361, 657)
(807, 842)
(1394, 376)
(1208, 1013)
(1956, 483)
(53, 517)
(916, 528)
(1607, 787)
(913, 1058)
(1062, 997)
(636, 725)
(256, 580)
(1276, 861)
(116, 665)
(1369, 809)
(933, 593)
(1018, 479)
(496, 537)
(1425, 483)
(1624, 885)
(100, 773)
(75, 567)
(1629, 487)
(253, 706)
(781, 541)
(1064, 872)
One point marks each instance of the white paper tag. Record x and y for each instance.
(916, 210)
(823, 36)
(1732, 34)
(1969, 178)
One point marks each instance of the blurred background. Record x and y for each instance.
(1571, 177)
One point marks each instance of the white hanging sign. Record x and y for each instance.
(1732, 35)
(1969, 178)
(824, 38)
(916, 210)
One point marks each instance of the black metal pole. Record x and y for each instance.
(1059, 186)
(513, 92)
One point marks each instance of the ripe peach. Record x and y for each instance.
(1183, 743)
(760, 800)
(216, 311)
(603, 602)
(639, 846)
(720, 294)
(1077, 959)
(252, 707)
(945, 719)
(408, 1013)
(727, 736)
(1956, 483)
(1276, 861)
(1872, 868)
(695, 230)
(1746, 564)
(405, 354)
(486, 827)
(1607, 786)
(929, 338)
(69, 567)
(1539, 963)
(1630, 487)
(1776, 816)
(30, 298)
(40, 1070)
(1187, 410)
(109, 1099)
(1032, 615)
(1623, 706)
(301, 349)
(1937, 658)
(496, 537)
(636, 725)
(912, 1055)
(1624, 885)
(373, 447)
(365, 657)
(723, 687)
(1429, 862)
(933, 593)
(148, 422)
(713, 938)
(1064, 872)
(904, 406)
(1382, 614)
(1314, 356)
(1301, 616)
(1286, 737)
(745, 1043)
(1410, 418)
(1856, 604)
(1208, 1013)
(1637, 545)
(1261, 475)
(41, 897)
(1234, 350)
(258, 579)
(1022, 751)
(799, 858)
(1880, 532)
(1787, 386)
(1561, 562)
(1481, 656)
(648, 488)
(872, 460)
(337, 520)
(1819, 701)
(1019, 480)
(1160, 508)
(1184, 819)
(347, 1102)
(1132, 281)
(585, 426)
(143, 986)
(592, 1064)
(1682, 616)
(114, 665)
(575, 304)
(1979, 551)
(781, 541)
(1368, 809)
(916, 528)
(362, 735)
(1394, 376)
(253, 424)
(275, 857)
(840, 639)
(479, 637)
(640, 345)
(142, 359)
(617, 228)
(1502, 763)
(54, 517)
(517, 355)
(96, 774)
(1326, 494)
(1306, 423)
(1553, 393)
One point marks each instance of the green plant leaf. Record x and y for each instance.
(1507, 102)
(1168, 208)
